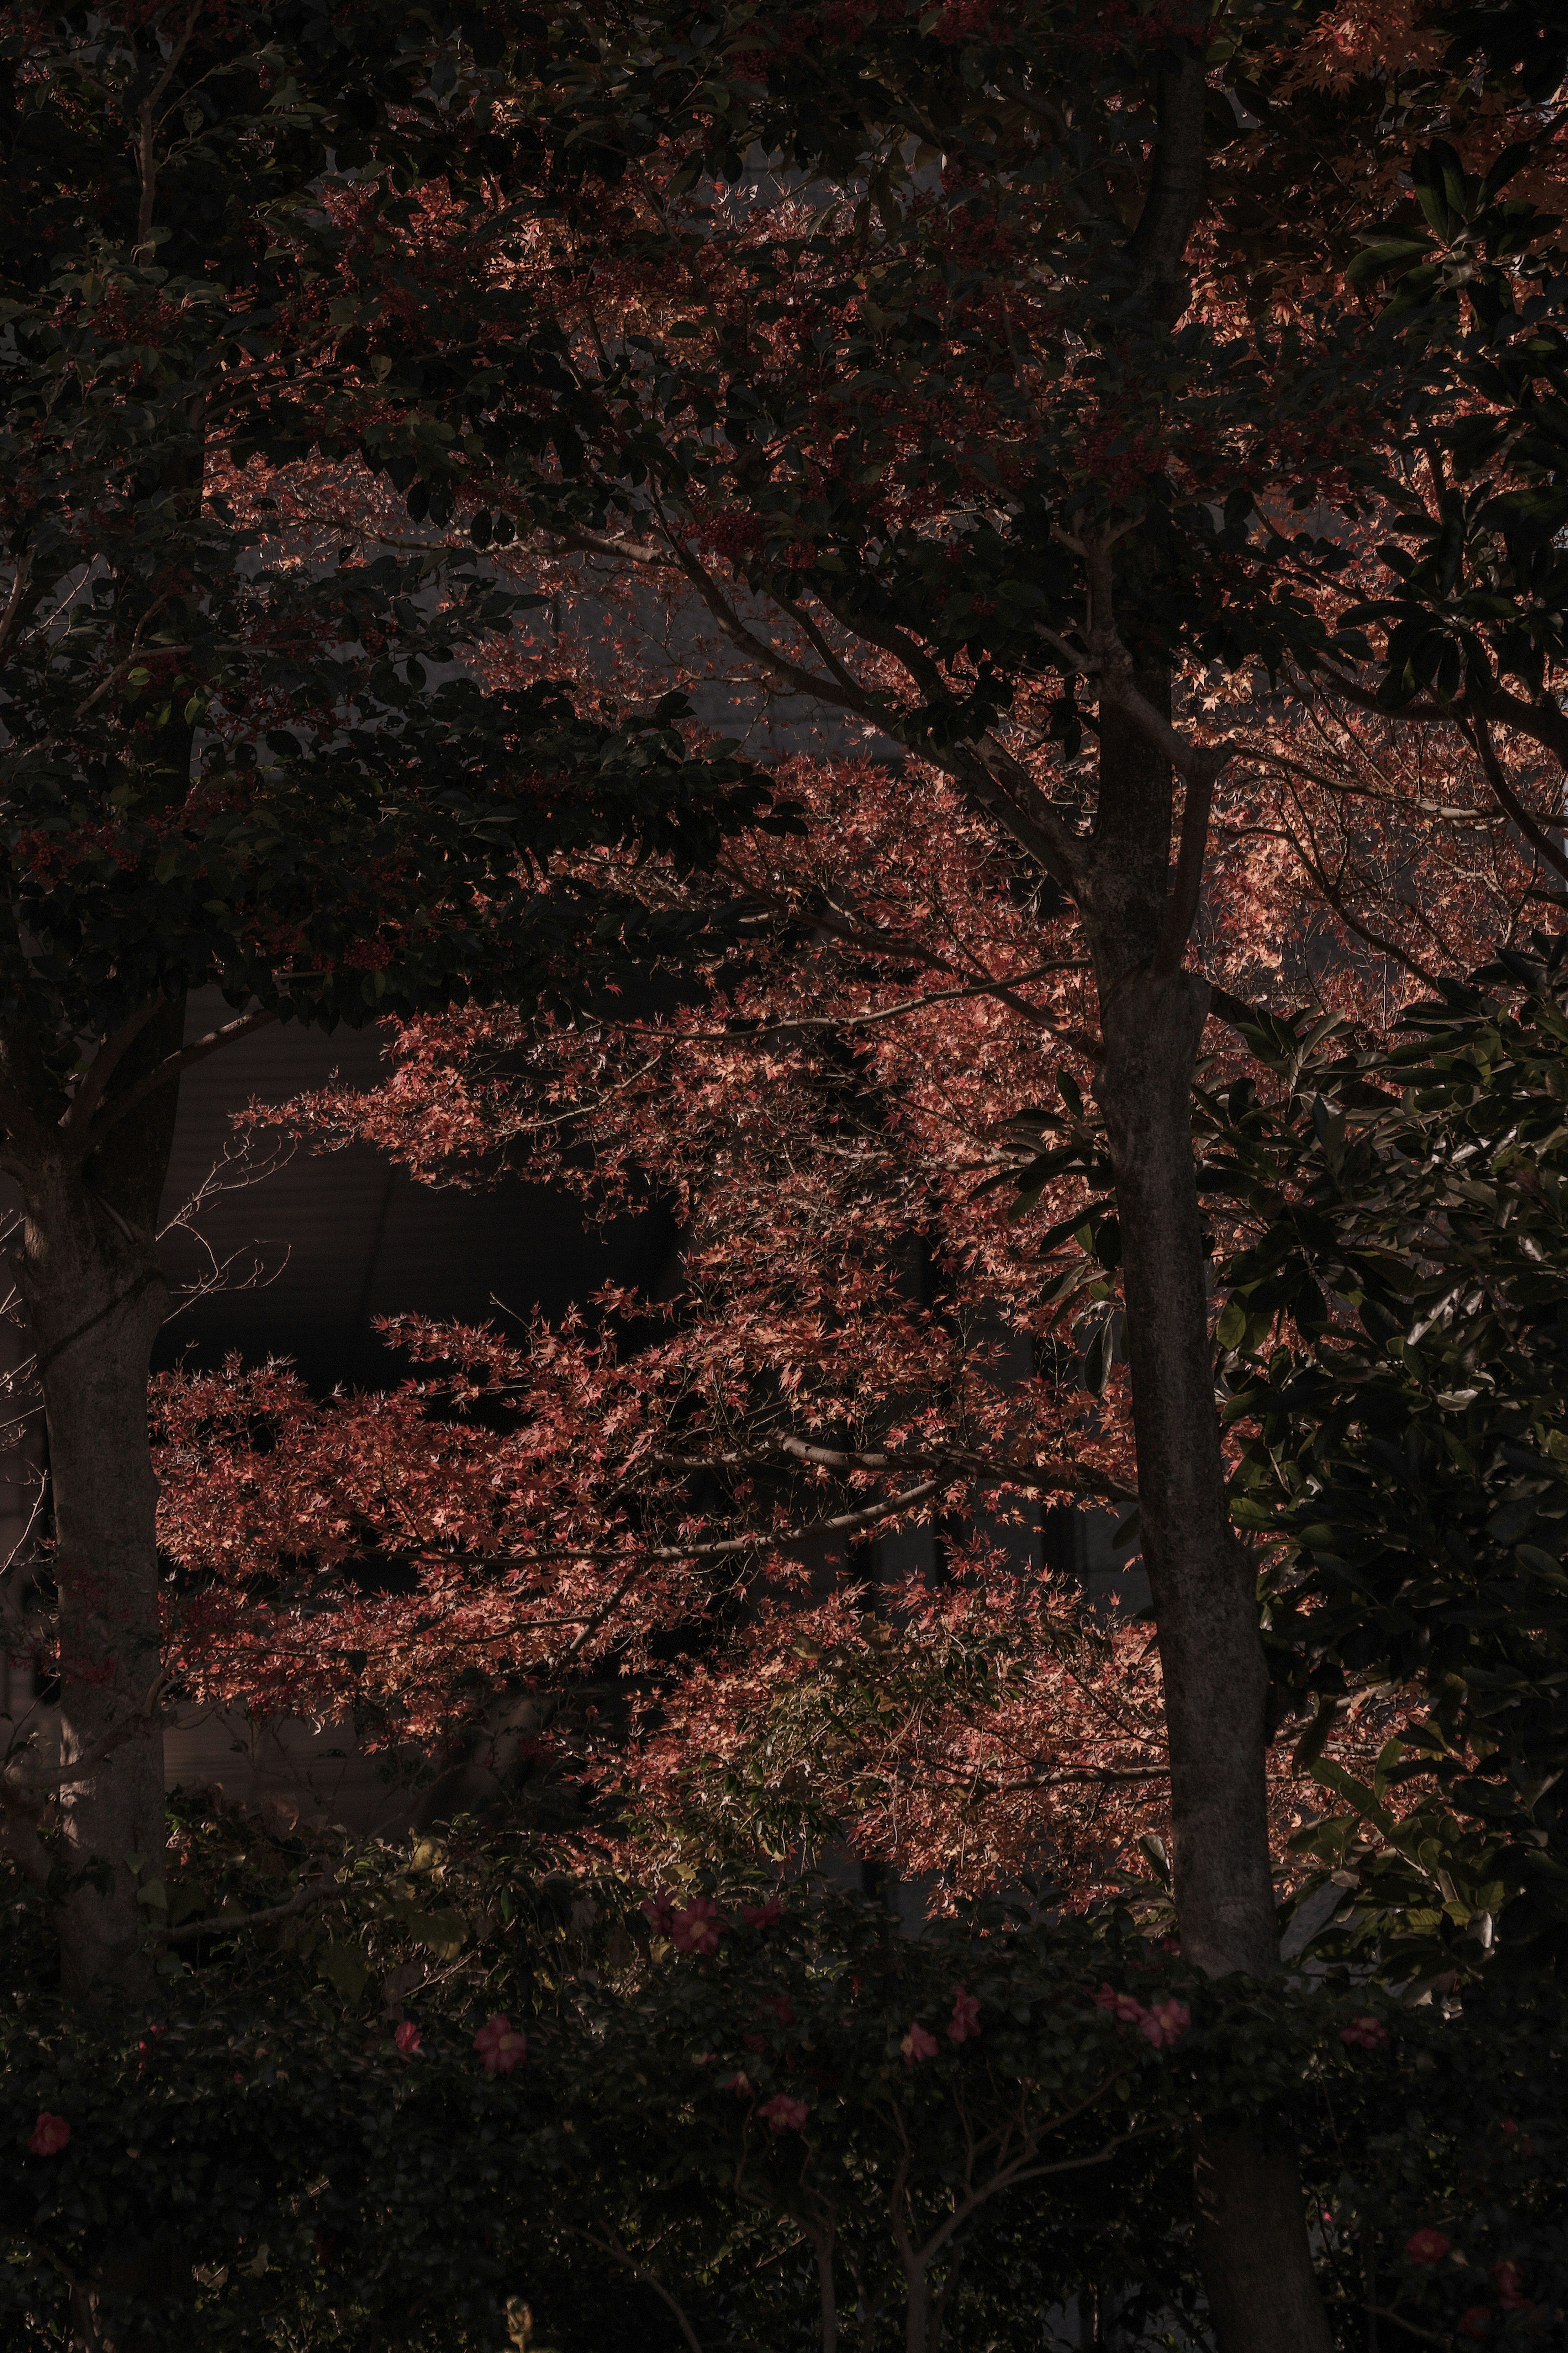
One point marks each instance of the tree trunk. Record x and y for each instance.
(87, 1268)
(1252, 2226)
(1201, 1576)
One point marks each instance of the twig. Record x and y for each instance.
(230, 1923)
(1386, 2312)
(760, 1036)
(1480, 735)
(639, 2271)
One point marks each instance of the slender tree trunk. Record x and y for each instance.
(1252, 2226)
(88, 1267)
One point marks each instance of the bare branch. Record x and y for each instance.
(638, 2270)
(760, 1035)
(170, 1068)
(228, 1923)
(1480, 734)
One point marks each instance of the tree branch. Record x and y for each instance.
(639, 2271)
(170, 1068)
(105, 1063)
(760, 1036)
(229, 1923)
(1474, 726)
(1182, 908)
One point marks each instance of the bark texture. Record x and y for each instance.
(87, 1268)
(1252, 2232)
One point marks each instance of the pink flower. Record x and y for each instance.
(1427, 2246)
(1511, 2295)
(737, 2083)
(501, 2046)
(762, 1915)
(1164, 2023)
(1124, 2007)
(965, 2019)
(657, 1910)
(49, 2135)
(782, 2113)
(699, 1929)
(781, 2010)
(408, 2037)
(918, 2045)
(1475, 2322)
(1364, 2034)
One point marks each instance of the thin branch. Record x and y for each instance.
(639, 2271)
(222, 1923)
(170, 1068)
(1475, 726)
(138, 653)
(1334, 896)
(842, 1524)
(979, 1466)
(1386, 2311)
(853, 1021)
(16, 602)
(909, 951)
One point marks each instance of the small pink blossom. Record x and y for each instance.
(49, 2135)
(783, 2114)
(1475, 2322)
(781, 2010)
(737, 2083)
(1511, 2294)
(1164, 2023)
(762, 1915)
(918, 2045)
(500, 2045)
(699, 1929)
(1364, 2034)
(965, 2019)
(1123, 2007)
(659, 1911)
(1427, 2246)
(408, 2037)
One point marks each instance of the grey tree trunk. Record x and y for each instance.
(1252, 2233)
(87, 1268)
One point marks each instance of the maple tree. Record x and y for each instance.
(953, 408)
(1009, 428)
(230, 760)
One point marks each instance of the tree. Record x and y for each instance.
(1392, 1350)
(231, 760)
(465, 2083)
(946, 414)
(1084, 489)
